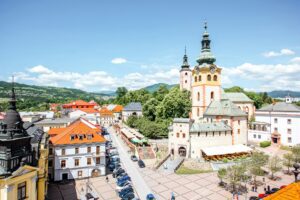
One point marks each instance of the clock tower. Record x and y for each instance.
(206, 79)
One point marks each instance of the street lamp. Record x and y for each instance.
(296, 171)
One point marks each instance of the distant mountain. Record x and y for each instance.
(153, 88)
(283, 93)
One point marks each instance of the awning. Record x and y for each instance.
(223, 150)
(135, 140)
(127, 133)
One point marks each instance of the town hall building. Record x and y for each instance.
(218, 119)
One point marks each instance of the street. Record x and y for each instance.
(138, 181)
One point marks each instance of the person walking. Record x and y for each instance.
(172, 196)
(107, 179)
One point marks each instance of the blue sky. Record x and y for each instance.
(74, 43)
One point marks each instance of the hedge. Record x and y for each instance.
(265, 144)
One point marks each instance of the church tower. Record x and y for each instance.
(185, 74)
(206, 79)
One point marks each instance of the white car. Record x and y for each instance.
(127, 184)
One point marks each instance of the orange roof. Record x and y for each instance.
(105, 112)
(290, 192)
(118, 108)
(55, 131)
(88, 110)
(90, 133)
(78, 103)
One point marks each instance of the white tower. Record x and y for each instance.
(185, 74)
(206, 80)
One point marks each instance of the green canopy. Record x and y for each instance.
(135, 140)
(144, 140)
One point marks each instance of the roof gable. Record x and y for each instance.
(224, 107)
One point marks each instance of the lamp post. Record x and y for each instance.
(296, 171)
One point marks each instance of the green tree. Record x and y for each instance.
(161, 92)
(257, 160)
(235, 175)
(288, 161)
(149, 109)
(296, 153)
(121, 92)
(274, 165)
(221, 174)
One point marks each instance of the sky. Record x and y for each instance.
(99, 45)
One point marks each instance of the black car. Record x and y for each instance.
(128, 196)
(120, 171)
(121, 175)
(134, 158)
(141, 164)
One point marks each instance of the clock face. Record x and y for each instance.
(212, 69)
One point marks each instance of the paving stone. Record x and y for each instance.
(204, 191)
(181, 190)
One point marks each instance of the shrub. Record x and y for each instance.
(265, 144)
(225, 160)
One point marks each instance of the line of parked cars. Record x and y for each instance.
(124, 187)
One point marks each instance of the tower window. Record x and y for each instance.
(199, 77)
(185, 81)
(183, 135)
(212, 95)
(195, 78)
(177, 135)
(198, 96)
(186, 73)
(215, 78)
(198, 112)
(209, 77)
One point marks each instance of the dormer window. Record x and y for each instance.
(72, 137)
(81, 137)
(89, 136)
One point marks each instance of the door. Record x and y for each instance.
(65, 176)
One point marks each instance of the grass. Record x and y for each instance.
(287, 148)
(184, 170)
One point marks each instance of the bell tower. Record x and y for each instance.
(206, 79)
(185, 74)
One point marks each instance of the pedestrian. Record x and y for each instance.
(255, 188)
(264, 179)
(269, 189)
(172, 196)
(107, 179)
(252, 188)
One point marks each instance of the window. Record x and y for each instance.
(254, 135)
(275, 129)
(289, 131)
(209, 77)
(76, 162)
(89, 161)
(50, 163)
(247, 109)
(177, 135)
(239, 131)
(89, 149)
(289, 121)
(80, 137)
(97, 160)
(212, 95)
(198, 112)
(97, 149)
(239, 122)
(72, 137)
(215, 78)
(22, 191)
(89, 136)
(198, 96)
(259, 136)
(79, 173)
(63, 164)
(63, 152)
(186, 73)
(275, 120)
(198, 134)
(76, 150)
(195, 78)
(289, 140)
(50, 151)
(183, 135)
(185, 81)
(200, 78)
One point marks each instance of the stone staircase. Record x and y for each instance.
(171, 164)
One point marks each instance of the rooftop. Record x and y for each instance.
(290, 192)
(133, 106)
(281, 107)
(64, 120)
(224, 107)
(209, 127)
(236, 97)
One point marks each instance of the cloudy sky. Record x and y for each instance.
(101, 45)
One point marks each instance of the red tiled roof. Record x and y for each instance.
(290, 192)
(88, 110)
(105, 112)
(78, 103)
(79, 127)
(55, 131)
(118, 108)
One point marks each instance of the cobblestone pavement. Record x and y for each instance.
(198, 186)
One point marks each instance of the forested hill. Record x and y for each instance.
(283, 93)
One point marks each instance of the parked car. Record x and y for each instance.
(122, 174)
(114, 159)
(114, 153)
(128, 196)
(150, 197)
(141, 163)
(124, 178)
(125, 191)
(134, 158)
(113, 165)
(119, 188)
(123, 183)
(124, 187)
(119, 171)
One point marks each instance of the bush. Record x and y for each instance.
(265, 144)
(225, 160)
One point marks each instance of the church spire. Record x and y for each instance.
(206, 56)
(185, 63)
(12, 101)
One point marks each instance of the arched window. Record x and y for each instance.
(195, 78)
(183, 135)
(199, 77)
(215, 78)
(209, 77)
(186, 73)
(247, 109)
(198, 96)
(177, 135)
(212, 95)
(198, 112)
(185, 81)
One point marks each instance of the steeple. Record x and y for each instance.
(206, 56)
(185, 63)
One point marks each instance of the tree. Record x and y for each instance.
(296, 153)
(121, 92)
(221, 174)
(149, 109)
(274, 165)
(161, 92)
(288, 161)
(235, 175)
(132, 121)
(257, 160)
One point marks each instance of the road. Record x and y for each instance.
(138, 181)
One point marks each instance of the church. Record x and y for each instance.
(218, 121)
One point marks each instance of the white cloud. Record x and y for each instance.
(283, 52)
(118, 61)
(295, 60)
(40, 69)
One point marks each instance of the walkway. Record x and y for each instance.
(171, 164)
(131, 167)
